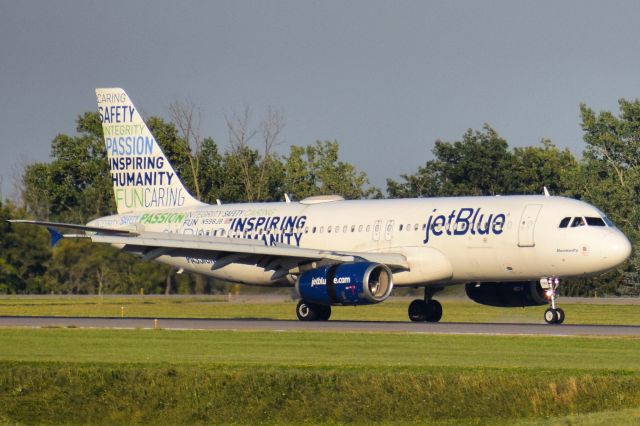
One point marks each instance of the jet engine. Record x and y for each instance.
(357, 283)
(507, 294)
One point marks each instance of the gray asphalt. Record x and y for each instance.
(339, 326)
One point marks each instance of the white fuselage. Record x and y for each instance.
(445, 240)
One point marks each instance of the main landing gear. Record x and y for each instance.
(553, 315)
(307, 311)
(427, 310)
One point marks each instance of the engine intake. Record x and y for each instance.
(358, 283)
(507, 294)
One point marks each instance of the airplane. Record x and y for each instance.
(508, 251)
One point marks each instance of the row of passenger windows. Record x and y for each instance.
(582, 221)
(315, 229)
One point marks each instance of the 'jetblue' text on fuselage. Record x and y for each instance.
(463, 221)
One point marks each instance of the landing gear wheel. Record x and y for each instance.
(324, 312)
(551, 316)
(425, 311)
(306, 311)
(434, 311)
(418, 311)
(560, 314)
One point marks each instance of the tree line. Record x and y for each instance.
(75, 186)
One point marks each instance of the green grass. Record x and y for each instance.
(210, 394)
(317, 349)
(455, 310)
(80, 376)
(83, 376)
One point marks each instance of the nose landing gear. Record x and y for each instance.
(553, 315)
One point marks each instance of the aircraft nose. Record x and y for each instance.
(616, 248)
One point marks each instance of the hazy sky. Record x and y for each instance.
(386, 79)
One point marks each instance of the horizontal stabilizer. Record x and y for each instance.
(108, 231)
(55, 236)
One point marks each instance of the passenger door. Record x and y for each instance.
(527, 225)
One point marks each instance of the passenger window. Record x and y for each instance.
(322, 229)
(415, 227)
(577, 221)
(400, 228)
(408, 227)
(424, 226)
(360, 228)
(337, 229)
(314, 230)
(369, 228)
(594, 221)
(328, 229)
(565, 222)
(344, 229)
(353, 228)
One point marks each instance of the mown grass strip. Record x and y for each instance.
(362, 350)
(455, 310)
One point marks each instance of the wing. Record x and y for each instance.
(282, 259)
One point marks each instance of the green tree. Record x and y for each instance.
(609, 177)
(535, 167)
(24, 255)
(76, 185)
(317, 170)
(211, 172)
(476, 165)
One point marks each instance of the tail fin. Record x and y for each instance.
(141, 174)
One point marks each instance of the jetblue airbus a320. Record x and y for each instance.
(508, 251)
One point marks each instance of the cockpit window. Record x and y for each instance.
(565, 222)
(608, 221)
(577, 221)
(595, 221)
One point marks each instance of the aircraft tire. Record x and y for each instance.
(551, 316)
(418, 311)
(324, 312)
(306, 311)
(434, 311)
(560, 314)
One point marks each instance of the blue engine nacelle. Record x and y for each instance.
(358, 283)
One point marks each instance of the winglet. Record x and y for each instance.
(55, 236)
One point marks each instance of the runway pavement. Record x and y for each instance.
(334, 326)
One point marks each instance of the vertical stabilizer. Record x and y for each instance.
(141, 174)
